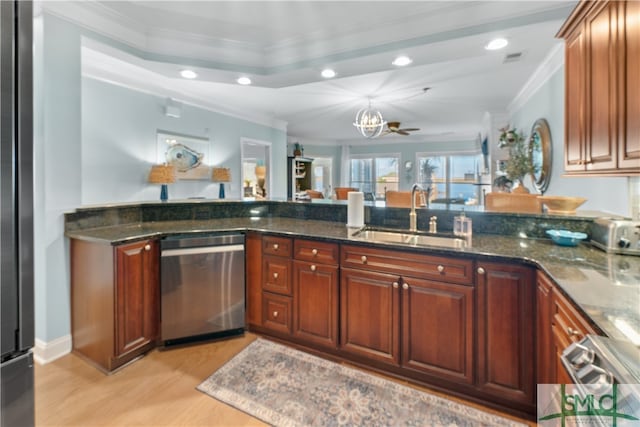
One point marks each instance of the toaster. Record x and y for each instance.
(616, 235)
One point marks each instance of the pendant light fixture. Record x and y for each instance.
(369, 122)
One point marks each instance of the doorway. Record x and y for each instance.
(256, 168)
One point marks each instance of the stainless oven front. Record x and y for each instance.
(605, 367)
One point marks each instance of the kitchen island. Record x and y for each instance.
(494, 287)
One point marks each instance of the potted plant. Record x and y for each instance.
(297, 149)
(519, 164)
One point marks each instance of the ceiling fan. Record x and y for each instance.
(394, 127)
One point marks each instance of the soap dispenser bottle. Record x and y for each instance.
(462, 227)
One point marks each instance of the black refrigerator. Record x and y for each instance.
(16, 206)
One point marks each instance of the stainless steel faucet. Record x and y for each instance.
(413, 220)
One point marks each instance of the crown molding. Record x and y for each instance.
(547, 68)
(104, 68)
(98, 18)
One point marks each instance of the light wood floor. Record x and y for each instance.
(157, 390)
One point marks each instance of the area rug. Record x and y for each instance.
(286, 387)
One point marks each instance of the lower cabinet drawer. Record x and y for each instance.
(276, 312)
(567, 322)
(443, 269)
(276, 274)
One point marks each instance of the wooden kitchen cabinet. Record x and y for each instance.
(422, 325)
(253, 277)
(115, 301)
(545, 355)
(370, 315)
(276, 285)
(629, 143)
(505, 322)
(437, 329)
(315, 292)
(567, 326)
(602, 99)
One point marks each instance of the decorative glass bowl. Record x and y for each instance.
(566, 238)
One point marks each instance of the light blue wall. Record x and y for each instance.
(58, 168)
(119, 145)
(608, 194)
(109, 142)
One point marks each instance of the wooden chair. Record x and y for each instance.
(313, 194)
(341, 192)
(402, 199)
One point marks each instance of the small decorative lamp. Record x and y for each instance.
(163, 174)
(221, 175)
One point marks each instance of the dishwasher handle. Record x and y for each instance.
(201, 250)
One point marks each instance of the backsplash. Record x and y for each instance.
(509, 224)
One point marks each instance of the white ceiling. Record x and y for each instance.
(283, 46)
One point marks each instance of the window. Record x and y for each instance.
(450, 178)
(375, 174)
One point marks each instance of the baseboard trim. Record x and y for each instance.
(45, 352)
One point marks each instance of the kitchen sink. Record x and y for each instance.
(407, 238)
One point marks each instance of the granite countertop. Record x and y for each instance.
(606, 287)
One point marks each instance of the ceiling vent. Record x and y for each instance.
(512, 57)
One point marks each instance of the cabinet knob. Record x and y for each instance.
(364, 259)
(275, 246)
(314, 252)
(147, 247)
(275, 314)
(405, 286)
(480, 270)
(440, 268)
(573, 332)
(395, 285)
(313, 268)
(275, 275)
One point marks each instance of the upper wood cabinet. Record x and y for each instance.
(602, 99)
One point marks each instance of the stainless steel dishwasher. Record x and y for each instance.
(202, 287)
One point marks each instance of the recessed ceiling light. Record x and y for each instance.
(188, 74)
(328, 73)
(244, 81)
(401, 61)
(496, 44)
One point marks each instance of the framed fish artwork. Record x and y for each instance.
(188, 154)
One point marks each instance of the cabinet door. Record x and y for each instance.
(505, 324)
(601, 28)
(575, 90)
(137, 295)
(253, 265)
(315, 303)
(559, 343)
(369, 314)
(544, 352)
(629, 143)
(437, 329)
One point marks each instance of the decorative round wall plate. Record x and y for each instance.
(183, 157)
(408, 165)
